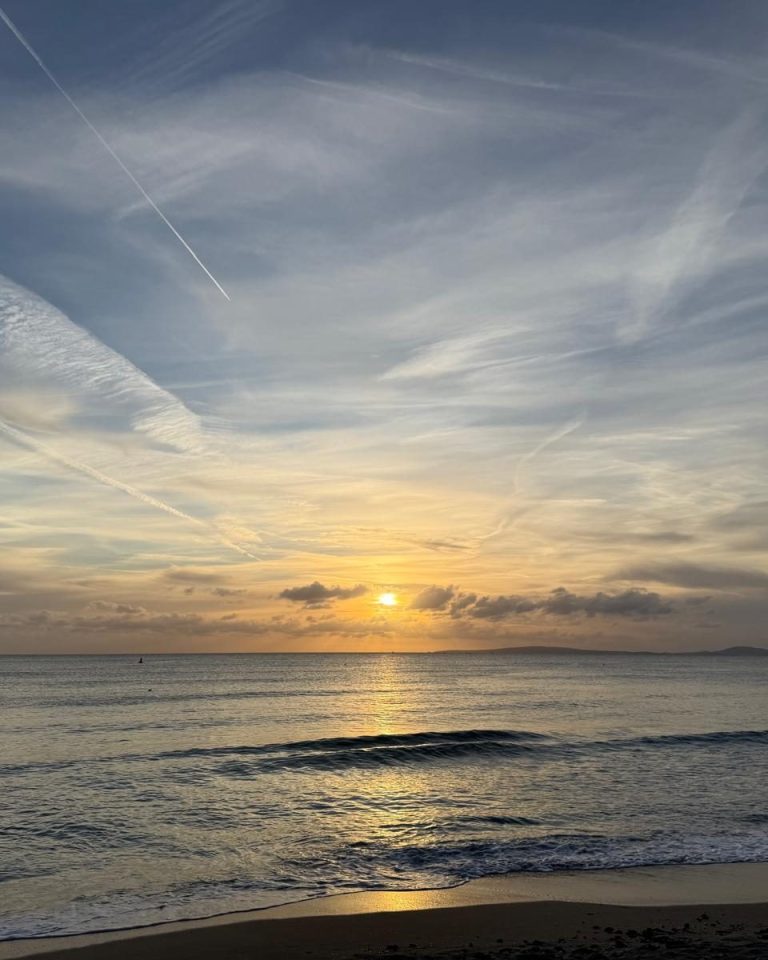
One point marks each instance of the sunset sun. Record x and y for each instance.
(387, 599)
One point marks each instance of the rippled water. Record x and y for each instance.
(189, 786)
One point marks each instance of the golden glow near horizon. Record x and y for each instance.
(469, 417)
(387, 599)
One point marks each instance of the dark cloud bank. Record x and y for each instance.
(317, 593)
(698, 577)
(560, 602)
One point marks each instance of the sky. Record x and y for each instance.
(306, 304)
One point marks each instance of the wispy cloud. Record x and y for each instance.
(25, 440)
(110, 150)
(683, 251)
(697, 576)
(474, 71)
(39, 345)
(743, 68)
(182, 54)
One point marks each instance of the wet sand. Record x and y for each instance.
(703, 912)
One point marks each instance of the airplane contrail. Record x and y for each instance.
(23, 439)
(561, 432)
(107, 146)
(510, 515)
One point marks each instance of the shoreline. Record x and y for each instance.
(529, 906)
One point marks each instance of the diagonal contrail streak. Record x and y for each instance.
(511, 515)
(107, 146)
(23, 439)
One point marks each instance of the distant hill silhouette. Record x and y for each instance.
(591, 651)
(734, 652)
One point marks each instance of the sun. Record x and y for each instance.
(387, 599)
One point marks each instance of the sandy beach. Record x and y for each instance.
(688, 912)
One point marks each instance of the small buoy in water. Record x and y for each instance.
(141, 659)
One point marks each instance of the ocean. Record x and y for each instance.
(189, 786)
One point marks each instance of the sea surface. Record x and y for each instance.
(188, 786)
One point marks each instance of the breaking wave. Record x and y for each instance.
(408, 749)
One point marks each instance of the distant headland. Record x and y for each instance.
(593, 651)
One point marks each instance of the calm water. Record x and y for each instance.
(196, 785)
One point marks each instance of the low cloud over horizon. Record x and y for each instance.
(559, 601)
(315, 593)
(403, 617)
